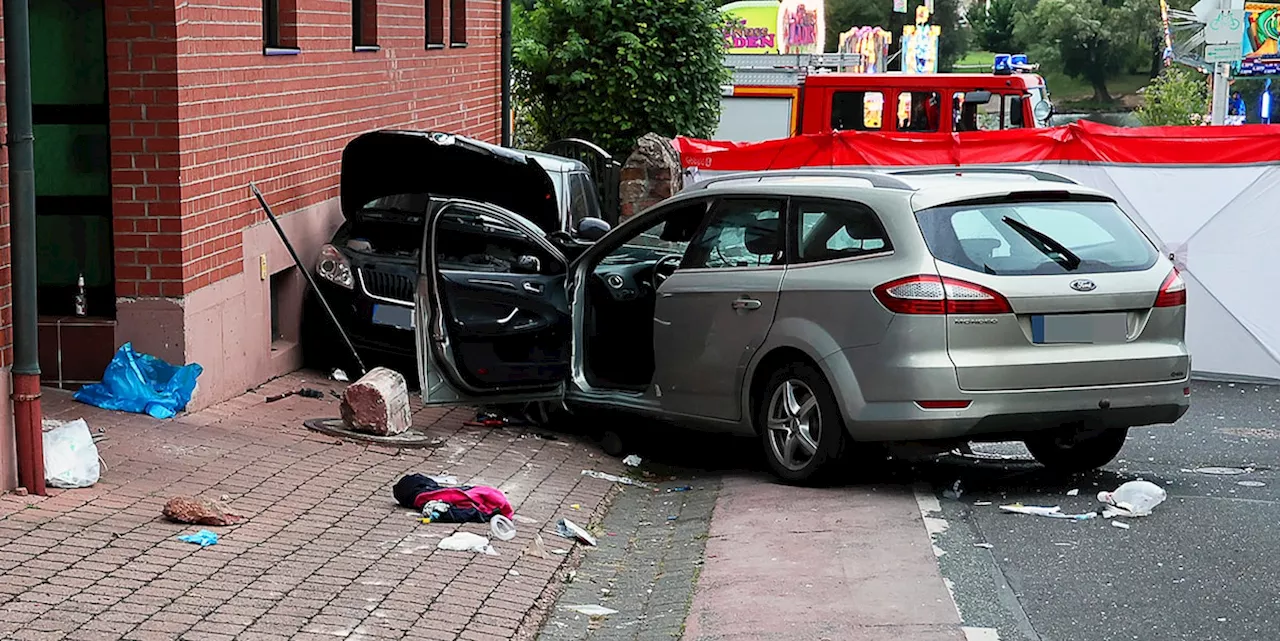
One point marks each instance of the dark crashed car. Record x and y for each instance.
(368, 269)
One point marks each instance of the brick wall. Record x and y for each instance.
(6, 293)
(282, 121)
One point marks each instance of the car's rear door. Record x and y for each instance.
(1055, 293)
(492, 319)
(716, 309)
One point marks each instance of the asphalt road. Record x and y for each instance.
(1202, 566)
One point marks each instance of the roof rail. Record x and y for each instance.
(877, 179)
(1003, 171)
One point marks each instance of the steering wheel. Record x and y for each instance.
(658, 277)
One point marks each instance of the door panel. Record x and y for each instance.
(716, 310)
(499, 333)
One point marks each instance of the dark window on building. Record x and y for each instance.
(458, 22)
(435, 23)
(279, 26)
(364, 24)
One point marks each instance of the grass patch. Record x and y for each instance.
(1077, 94)
(975, 62)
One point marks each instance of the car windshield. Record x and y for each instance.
(1011, 238)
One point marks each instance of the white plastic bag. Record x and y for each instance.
(70, 456)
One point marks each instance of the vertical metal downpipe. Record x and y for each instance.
(505, 37)
(20, 138)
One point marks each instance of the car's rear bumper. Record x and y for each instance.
(997, 415)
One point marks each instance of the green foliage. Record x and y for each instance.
(1089, 39)
(845, 14)
(610, 71)
(1178, 96)
(993, 30)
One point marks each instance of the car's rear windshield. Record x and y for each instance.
(1005, 237)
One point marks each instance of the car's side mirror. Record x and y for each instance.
(529, 264)
(591, 229)
(1016, 117)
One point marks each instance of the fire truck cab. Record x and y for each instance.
(777, 96)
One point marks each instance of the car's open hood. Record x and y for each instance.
(389, 163)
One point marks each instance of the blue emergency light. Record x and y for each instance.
(1009, 63)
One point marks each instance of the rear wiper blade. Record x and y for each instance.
(1044, 243)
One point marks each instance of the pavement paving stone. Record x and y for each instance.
(645, 566)
(325, 554)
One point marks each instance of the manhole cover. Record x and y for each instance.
(410, 438)
(1251, 483)
(1220, 471)
(1251, 432)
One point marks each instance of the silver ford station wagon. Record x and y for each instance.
(822, 311)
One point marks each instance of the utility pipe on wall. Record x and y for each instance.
(20, 139)
(505, 44)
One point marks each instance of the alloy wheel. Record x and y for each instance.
(794, 424)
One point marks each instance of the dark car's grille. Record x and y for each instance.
(394, 286)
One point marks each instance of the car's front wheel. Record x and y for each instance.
(800, 425)
(1071, 451)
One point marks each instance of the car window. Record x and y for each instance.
(831, 230)
(919, 111)
(1000, 112)
(857, 110)
(470, 240)
(739, 233)
(1006, 238)
(669, 234)
(584, 202)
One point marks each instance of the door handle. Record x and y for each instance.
(533, 288)
(746, 303)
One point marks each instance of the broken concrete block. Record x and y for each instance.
(186, 509)
(377, 404)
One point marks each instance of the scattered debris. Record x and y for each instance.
(955, 492)
(570, 576)
(203, 538)
(981, 503)
(632, 461)
(198, 511)
(985, 546)
(513, 572)
(575, 506)
(444, 480)
(305, 392)
(672, 518)
(1054, 512)
(1075, 492)
(615, 479)
(591, 610)
(569, 530)
(1251, 483)
(502, 528)
(1120, 524)
(70, 456)
(466, 542)
(682, 488)
(520, 518)
(142, 384)
(1221, 471)
(538, 548)
(339, 375)
(1134, 498)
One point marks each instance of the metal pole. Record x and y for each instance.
(1221, 90)
(20, 138)
(506, 72)
(307, 273)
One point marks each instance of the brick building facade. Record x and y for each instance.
(146, 149)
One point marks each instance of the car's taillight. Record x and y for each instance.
(938, 295)
(1173, 292)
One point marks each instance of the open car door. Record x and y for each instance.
(491, 315)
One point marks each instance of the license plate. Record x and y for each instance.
(393, 316)
(1080, 328)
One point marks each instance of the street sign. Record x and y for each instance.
(1225, 28)
(1214, 54)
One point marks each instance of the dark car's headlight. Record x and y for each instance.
(334, 267)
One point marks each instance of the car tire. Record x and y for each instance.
(786, 434)
(1060, 453)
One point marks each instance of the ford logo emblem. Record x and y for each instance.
(1083, 285)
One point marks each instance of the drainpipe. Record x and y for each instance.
(505, 38)
(22, 233)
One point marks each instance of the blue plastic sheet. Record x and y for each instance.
(142, 384)
(203, 538)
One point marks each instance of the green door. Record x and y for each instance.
(72, 155)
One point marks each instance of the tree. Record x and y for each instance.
(612, 70)
(1178, 96)
(993, 30)
(843, 15)
(1088, 39)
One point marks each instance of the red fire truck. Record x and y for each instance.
(777, 96)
